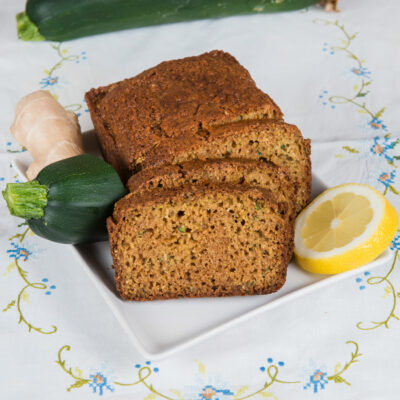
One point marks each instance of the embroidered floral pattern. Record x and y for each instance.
(51, 80)
(317, 381)
(377, 124)
(387, 180)
(18, 253)
(395, 242)
(389, 290)
(319, 378)
(52, 287)
(10, 149)
(207, 392)
(361, 71)
(211, 393)
(99, 383)
(270, 361)
(361, 89)
(48, 81)
(382, 147)
(360, 280)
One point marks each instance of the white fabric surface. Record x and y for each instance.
(295, 59)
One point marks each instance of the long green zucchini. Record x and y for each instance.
(61, 20)
(69, 201)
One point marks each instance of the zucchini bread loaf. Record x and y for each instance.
(178, 99)
(199, 241)
(216, 179)
(265, 175)
(202, 108)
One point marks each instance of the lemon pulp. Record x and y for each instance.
(336, 222)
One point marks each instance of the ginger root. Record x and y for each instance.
(48, 131)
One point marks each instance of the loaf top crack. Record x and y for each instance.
(179, 98)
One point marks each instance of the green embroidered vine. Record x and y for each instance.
(377, 280)
(360, 90)
(145, 372)
(20, 150)
(79, 381)
(9, 305)
(391, 188)
(350, 149)
(379, 147)
(23, 292)
(50, 79)
(62, 54)
(272, 372)
(20, 236)
(337, 377)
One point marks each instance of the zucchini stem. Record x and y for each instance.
(27, 30)
(26, 200)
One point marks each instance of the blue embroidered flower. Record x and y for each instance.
(99, 381)
(360, 281)
(396, 242)
(18, 252)
(270, 361)
(317, 381)
(211, 393)
(381, 146)
(155, 369)
(52, 287)
(377, 124)
(387, 179)
(48, 81)
(361, 72)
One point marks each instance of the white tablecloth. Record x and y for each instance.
(336, 76)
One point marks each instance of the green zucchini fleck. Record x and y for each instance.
(259, 206)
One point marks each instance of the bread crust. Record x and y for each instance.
(182, 98)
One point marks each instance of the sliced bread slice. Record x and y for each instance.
(199, 241)
(229, 170)
(274, 141)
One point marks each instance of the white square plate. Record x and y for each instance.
(161, 328)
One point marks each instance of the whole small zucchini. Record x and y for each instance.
(69, 201)
(61, 20)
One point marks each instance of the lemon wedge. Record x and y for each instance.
(343, 228)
